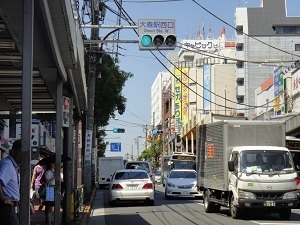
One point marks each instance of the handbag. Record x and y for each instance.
(49, 194)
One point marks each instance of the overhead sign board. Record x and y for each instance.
(115, 147)
(156, 26)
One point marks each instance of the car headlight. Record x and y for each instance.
(290, 195)
(246, 195)
(170, 184)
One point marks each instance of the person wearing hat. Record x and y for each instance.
(10, 186)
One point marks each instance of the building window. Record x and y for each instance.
(288, 30)
(297, 47)
(239, 29)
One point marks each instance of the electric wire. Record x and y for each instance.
(271, 46)
(250, 106)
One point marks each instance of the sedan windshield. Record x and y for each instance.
(182, 174)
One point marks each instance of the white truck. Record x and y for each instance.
(106, 168)
(237, 167)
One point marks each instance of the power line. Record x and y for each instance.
(271, 46)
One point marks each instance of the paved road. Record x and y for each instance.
(173, 212)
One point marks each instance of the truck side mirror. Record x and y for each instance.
(231, 166)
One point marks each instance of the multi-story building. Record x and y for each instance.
(265, 38)
(202, 82)
(156, 98)
(279, 98)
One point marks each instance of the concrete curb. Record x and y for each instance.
(87, 209)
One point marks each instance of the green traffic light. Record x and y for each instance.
(146, 40)
(119, 130)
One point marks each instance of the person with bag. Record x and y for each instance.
(37, 183)
(10, 186)
(49, 199)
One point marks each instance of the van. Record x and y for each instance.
(141, 165)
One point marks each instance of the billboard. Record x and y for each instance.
(185, 95)
(177, 99)
(206, 88)
(279, 106)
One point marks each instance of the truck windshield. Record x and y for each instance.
(266, 161)
(138, 165)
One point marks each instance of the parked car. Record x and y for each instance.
(131, 185)
(182, 183)
(157, 176)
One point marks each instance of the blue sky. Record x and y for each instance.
(188, 17)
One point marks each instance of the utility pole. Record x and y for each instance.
(93, 60)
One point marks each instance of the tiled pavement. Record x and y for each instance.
(39, 217)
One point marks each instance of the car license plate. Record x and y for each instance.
(185, 193)
(269, 203)
(132, 187)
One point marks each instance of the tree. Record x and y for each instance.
(108, 93)
(153, 153)
(109, 86)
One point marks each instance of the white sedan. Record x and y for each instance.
(182, 183)
(131, 185)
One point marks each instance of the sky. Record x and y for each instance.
(188, 18)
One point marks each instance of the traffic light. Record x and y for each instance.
(157, 42)
(119, 130)
(157, 132)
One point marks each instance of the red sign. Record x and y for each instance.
(210, 150)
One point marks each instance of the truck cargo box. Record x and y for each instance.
(216, 140)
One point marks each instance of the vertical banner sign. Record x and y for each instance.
(206, 89)
(279, 106)
(177, 100)
(185, 95)
(88, 147)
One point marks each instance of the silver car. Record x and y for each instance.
(131, 185)
(182, 183)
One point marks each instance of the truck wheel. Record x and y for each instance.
(234, 210)
(208, 205)
(285, 214)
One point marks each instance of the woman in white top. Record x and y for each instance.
(50, 180)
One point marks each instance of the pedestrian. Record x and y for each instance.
(10, 186)
(260, 162)
(50, 180)
(278, 166)
(38, 179)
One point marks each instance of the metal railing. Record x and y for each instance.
(78, 200)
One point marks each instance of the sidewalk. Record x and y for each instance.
(39, 217)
